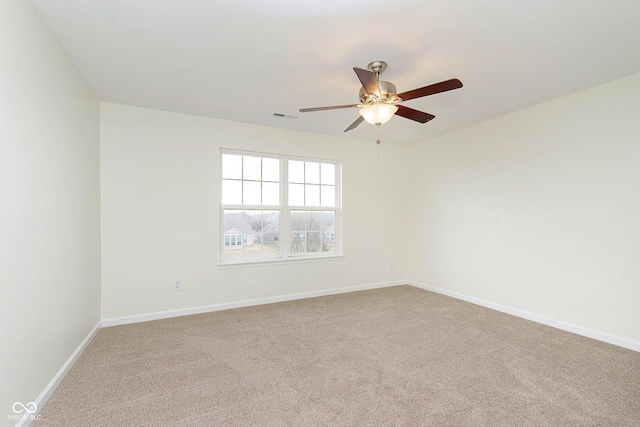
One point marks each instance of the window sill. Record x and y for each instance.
(277, 261)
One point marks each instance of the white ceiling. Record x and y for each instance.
(243, 60)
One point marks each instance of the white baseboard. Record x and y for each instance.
(569, 327)
(115, 321)
(53, 384)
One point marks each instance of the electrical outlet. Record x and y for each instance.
(392, 265)
(177, 285)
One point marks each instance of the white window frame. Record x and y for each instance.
(285, 214)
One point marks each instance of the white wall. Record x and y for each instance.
(49, 206)
(160, 177)
(538, 210)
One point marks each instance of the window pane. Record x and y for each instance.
(233, 252)
(271, 222)
(328, 219)
(231, 192)
(328, 195)
(230, 218)
(328, 173)
(234, 226)
(297, 243)
(253, 221)
(297, 221)
(251, 168)
(328, 231)
(312, 173)
(313, 241)
(312, 195)
(252, 245)
(296, 171)
(270, 169)
(313, 220)
(251, 193)
(270, 193)
(296, 194)
(231, 166)
(271, 244)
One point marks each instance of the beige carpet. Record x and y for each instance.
(396, 356)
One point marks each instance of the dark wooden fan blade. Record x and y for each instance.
(355, 124)
(333, 107)
(411, 114)
(369, 81)
(431, 89)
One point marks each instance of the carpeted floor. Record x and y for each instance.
(398, 356)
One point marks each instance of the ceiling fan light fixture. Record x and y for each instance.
(379, 98)
(378, 114)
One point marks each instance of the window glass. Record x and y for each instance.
(231, 166)
(312, 195)
(251, 193)
(328, 174)
(231, 192)
(298, 222)
(312, 173)
(327, 196)
(270, 193)
(296, 194)
(270, 169)
(251, 168)
(296, 171)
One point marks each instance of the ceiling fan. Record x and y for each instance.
(379, 101)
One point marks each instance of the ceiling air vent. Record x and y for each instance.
(285, 116)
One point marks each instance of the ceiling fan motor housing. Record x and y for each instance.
(387, 92)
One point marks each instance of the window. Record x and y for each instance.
(278, 208)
